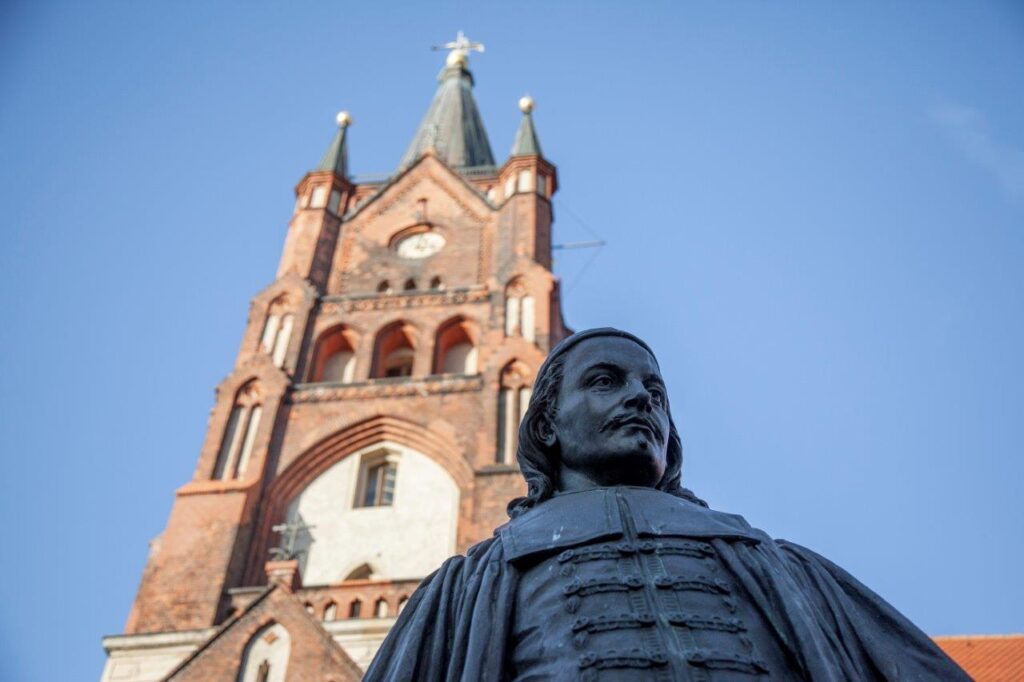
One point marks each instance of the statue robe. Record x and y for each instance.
(459, 624)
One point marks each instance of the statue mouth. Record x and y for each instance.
(620, 421)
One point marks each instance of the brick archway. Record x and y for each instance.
(336, 447)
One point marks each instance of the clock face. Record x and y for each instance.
(420, 245)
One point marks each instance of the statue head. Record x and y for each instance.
(598, 415)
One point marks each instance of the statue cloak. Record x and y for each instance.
(456, 626)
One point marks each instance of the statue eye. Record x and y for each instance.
(657, 395)
(601, 381)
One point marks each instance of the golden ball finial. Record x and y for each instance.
(344, 119)
(457, 58)
(526, 104)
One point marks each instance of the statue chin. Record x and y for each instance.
(638, 465)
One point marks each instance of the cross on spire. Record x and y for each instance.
(290, 532)
(460, 48)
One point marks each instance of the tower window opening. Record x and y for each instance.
(380, 609)
(331, 611)
(380, 485)
(520, 311)
(355, 609)
(402, 602)
(394, 352)
(384, 287)
(263, 673)
(277, 331)
(318, 197)
(455, 347)
(410, 285)
(239, 434)
(513, 400)
(436, 283)
(525, 181)
(335, 358)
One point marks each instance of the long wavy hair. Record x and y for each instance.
(539, 461)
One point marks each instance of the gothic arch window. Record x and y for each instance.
(380, 609)
(265, 658)
(410, 285)
(240, 434)
(436, 284)
(335, 357)
(331, 611)
(455, 347)
(355, 609)
(384, 287)
(360, 572)
(520, 311)
(402, 601)
(378, 472)
(513, 399)
(277, 330)
(394, 351)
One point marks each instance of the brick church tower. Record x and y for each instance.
(367, 430)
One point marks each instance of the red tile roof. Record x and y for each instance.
(987, 658)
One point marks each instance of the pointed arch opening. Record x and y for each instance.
(394, 351)
(455, 347)
(239, 437)
(277, 330)
(513, 399)
(265, 658)
(520, 315)
(334, 359)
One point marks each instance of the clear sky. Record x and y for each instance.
(814, 214)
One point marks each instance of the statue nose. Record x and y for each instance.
(640, 398)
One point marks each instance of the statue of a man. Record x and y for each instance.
(610, 570)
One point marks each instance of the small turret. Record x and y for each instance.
(335, 159)
(526, 143)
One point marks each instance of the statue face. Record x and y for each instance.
(612, 421)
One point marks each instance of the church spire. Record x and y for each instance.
(526, 143)
(452, 127)
(336, 157)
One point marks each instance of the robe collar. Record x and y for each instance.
(576, 518)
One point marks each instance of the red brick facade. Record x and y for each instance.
(276, 425)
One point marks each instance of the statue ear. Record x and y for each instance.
(546, 431)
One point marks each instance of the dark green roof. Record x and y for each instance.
(526, 143)
(453, 126)
(336, 157)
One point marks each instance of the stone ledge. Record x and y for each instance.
(396, 387)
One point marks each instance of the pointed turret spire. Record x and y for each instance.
(453, 128)
(336, 157)
(526, 143)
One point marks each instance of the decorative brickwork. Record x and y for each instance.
(390, 323)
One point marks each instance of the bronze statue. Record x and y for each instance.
(610, 569)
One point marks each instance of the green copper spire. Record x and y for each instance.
(336, 157)
(453, 127)
(526, 143)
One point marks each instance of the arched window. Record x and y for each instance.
(380, 609)
(240, 434)
(330, 611)
(360, 572)
(513, 399)
(520, 311)
(403, 600)
(455, 347)
(309, 609)
(335, 358)
(277, 331)
(355, 609)
(265, 658)
(410, 285)
(436, 283)
(394, 351)
(384, 287)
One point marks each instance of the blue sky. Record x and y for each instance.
(815, 214)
